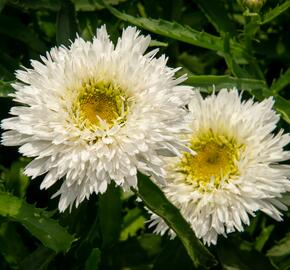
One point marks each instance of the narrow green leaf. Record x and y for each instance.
(280, 253)
(66, 23)
(19, 31)
(133, 221)
(207, 81)
(182, 33)
(273, 13)
(110, 215)
(258, 88)
(216, 13)
(93, 260)
(158, 203)
(282, 82)
(35, 220)
(263, 237)
(5, 88)
(38, 259)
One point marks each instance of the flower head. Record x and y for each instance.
(234, 169)
(95, 112)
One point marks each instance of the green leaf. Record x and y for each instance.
(5, 88)
(206, 82)
(280, 253)
(182, 33)
(133, 221)
(38, 259)
(263, 237)
(216, 13)
(258, 88)
(66, 23)
(273, 13)
(35, 220)
(281, 83)
(19, 31)
(158, 203)
(93, 260)
(110, 215)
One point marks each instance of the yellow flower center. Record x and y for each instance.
(215, 160)
(100, 101)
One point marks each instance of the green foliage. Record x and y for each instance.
(93, 261)
(37, 221)
(157, 202)
(218, 44)
(280, 253)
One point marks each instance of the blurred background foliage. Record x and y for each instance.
(224, 43)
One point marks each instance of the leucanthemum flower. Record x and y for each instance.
(95, 112)
(234, 171)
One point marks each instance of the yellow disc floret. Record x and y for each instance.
(98, 102)
(215, 160)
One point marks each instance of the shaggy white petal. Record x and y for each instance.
(258, 182)
(86, 158)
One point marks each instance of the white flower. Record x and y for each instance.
(234, 171)
(96, 112)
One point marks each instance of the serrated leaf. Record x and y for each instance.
(93, 260)
(182, 33)
(273, 13)
(66, 23)
(35, 220)
(110, 215)
(158, 203)
(206, 82)
(19, 31)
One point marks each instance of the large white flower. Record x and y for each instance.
(234, 171)
(95, 112)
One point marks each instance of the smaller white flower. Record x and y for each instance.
(235, 169)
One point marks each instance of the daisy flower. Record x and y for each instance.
(234, 170)
(95, 112)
